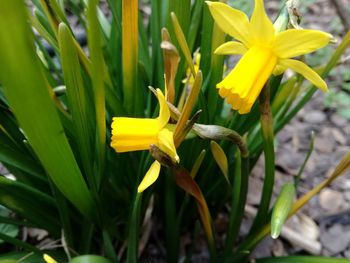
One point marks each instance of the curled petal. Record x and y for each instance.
(231, 21)
(164, 113)
(150, 177)
(261, 26)
(166, 144)
(231, 47)
(296, 42)
(305, 71)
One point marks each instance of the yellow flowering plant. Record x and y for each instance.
(83, 138)
(265, 51)
(134, 134)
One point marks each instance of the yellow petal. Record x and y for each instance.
(49, 259)
(261, 26)
(166, 144)
(305, 71)
(150, 177)
(243, 84)
(121, 145)
(295, 42)
(164, 113)
(231, 47)
(133, 134)
(123, 126)
(231, 21)
(249, 70)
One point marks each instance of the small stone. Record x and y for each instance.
(324, 145)
(254, 191)
(338, 120)
(339, 136)
(335, 240)
(278, 248)
(347, 253)
(347, 196)
(314, 117)
(331, 200)
(3, 169)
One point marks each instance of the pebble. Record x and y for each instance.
(339, 137)
(331, 200)
(254, 191)
(324, 145)
(334, 239)
(315, 117)
(338, 120)
(347, 196)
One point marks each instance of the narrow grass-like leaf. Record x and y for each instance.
(133, 235)
(131, 92)
(89, 259)
(77, 96)
(206, 41)
(156, 25)
(30, 98)
(196, 19)
(215, 73)
(30, 203)
(97, 65)
(12, 155)
(19, 243)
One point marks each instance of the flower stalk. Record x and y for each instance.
(266, 122)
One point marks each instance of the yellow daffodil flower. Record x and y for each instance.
(135, 134)
(265, 51)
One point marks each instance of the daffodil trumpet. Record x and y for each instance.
(265, 51)
(136, 134)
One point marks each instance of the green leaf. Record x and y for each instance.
(30, 98)
(132, 95)
(30, 203)
(89, 259)
(79, 104)
(7, 229)
(98, 70)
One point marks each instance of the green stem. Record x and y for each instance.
(269, 154)
(239, 197)
(171, 223)
(133, 240)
